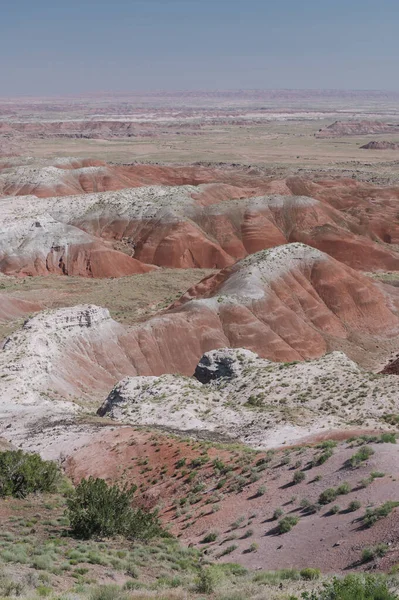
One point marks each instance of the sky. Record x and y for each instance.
(59, 47)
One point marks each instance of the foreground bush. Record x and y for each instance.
(22, 474)
(354, 587)
(96, 509)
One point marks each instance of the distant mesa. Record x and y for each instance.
(382, 145)
(364, 127)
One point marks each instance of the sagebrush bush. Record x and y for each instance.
(299, 476)
(329, 495)
(387, 438)
(108, 592)
(375, 514)
(310, 574)
(210, 537)
(22, 474)
(96, 509)
(360, 456)
(354, 505)
(354, 587)
(206, 581)
(377, 551)
(287, 523)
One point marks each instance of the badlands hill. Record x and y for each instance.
(380, 145)
(12, 307)
(347, 128)
(59, 220)
(290, 303)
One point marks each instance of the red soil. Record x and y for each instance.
(85, 260)
(330, 542)
(14, 308)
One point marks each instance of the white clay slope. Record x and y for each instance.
(257, 401)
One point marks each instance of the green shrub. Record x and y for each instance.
(329, 495)
(360, 456)
(22, 474)
(96, 509)
(287, 523)
(248, 533)
(377, 551)
(354, 587)
(310, 574)
(9, 587)
(335, 509)
(256, 401)
(299, 476)
(365, 482)
(375, 514)
(354, 505)
(275, 577)
(343, 488)
(228, 550)
(322, 458)
(261, 491)
(206, 581)
(108, 592)
(392, 419)
(278, 513)
(311, 509)
(210, 537)
(327, 444)
(387, 438)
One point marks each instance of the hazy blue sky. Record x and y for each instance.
(72, 46)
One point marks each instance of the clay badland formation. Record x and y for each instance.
(382, 145)
(244, 396)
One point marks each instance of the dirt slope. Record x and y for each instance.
(232, 507)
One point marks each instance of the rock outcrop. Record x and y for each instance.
(253, 400)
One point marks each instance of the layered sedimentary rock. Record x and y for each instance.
(38, 244)
(288, 303)
(185, 226)
(12, 307)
